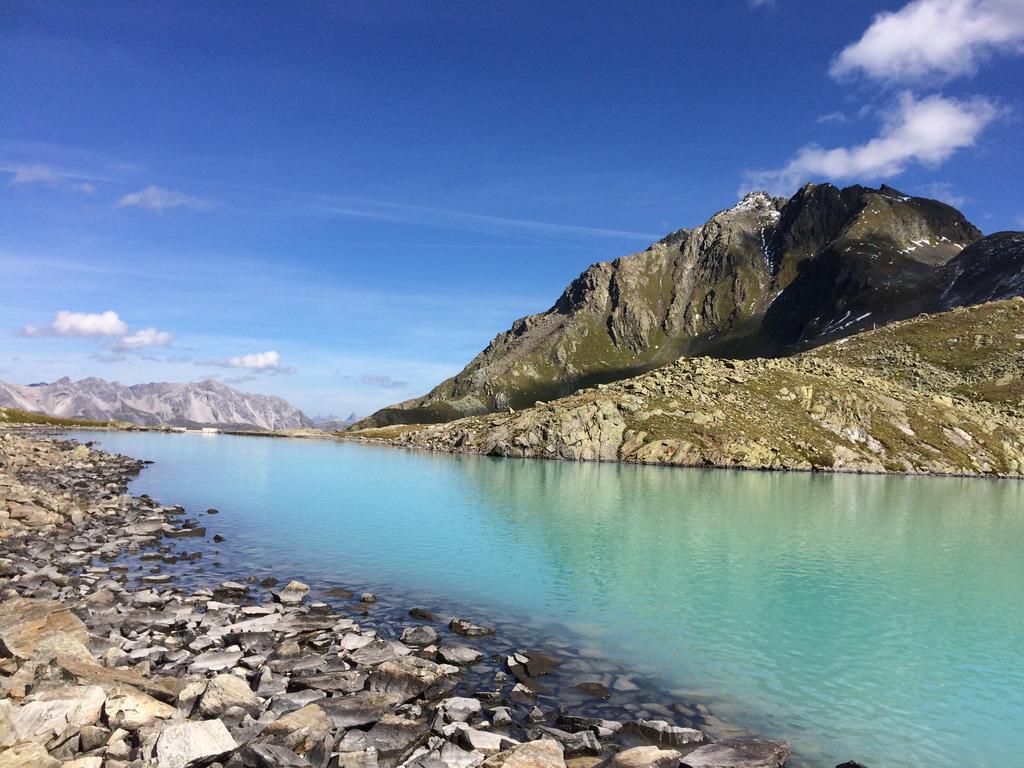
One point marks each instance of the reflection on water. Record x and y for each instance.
(880, 618)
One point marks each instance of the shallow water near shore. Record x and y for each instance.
(861, 617)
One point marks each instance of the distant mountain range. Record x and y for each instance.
(768, 277)
(333, 423)
(194, 404)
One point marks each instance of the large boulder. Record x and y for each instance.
(226, 691)
(188, 743)
(543, 753)
(739, 753)
(392, 737)
(645, 757)
(406, 676)
(132, 709)
(293, 593)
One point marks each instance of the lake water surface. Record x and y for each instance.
(874, 618)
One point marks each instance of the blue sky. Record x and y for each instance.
(341, 203)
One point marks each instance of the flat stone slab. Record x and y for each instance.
(215, 661)
(24, 623)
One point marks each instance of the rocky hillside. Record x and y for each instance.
(939, 393)
(767, 277)
(194, 404)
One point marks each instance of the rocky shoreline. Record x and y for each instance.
(103, 665)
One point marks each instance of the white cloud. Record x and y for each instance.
(934, 39)
(80, 324)
(146, 337)
(926, 131)
(159, 199)
(257, 361)
(761, 3)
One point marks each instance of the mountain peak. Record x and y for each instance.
(766, 277)
(758, 202)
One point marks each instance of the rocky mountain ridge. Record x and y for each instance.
(939, 393)
(206, 403)
(767, 278)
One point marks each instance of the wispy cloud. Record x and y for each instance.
(474, 222)
(943, 191)
(48, 176)
(831, 117)
(762, 3)
(933, 39)
(79, 324)
(160, 199)
(383, 382)
(926, 131)
(291, 202)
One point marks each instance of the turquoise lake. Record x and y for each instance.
(861, 617)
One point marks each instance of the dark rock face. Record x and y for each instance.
(765, 278)
(989, 270)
